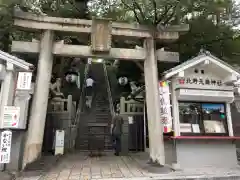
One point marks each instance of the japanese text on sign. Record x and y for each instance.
(200, 81)
(165, 106)
(5, 146)
(24, 80)
(11, 115)
(59, 142)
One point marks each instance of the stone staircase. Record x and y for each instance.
(94, 123)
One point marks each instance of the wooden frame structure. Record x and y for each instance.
(102, 32)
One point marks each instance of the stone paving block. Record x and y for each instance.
(63, 176)
(50, 178)
(77, 173)
(85, 177)
(106, 171)
(96, 176)
(106, 176)
(32, 178)
(86, 169)
(74, 177)
(52, 175)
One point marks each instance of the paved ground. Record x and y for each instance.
(6, 176)
(81, 167)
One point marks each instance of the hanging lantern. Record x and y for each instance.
(123, 81)
(71, 76)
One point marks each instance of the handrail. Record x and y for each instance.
(111, 106)
(79, 110)
(80, 104)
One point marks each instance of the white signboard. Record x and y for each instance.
(11, 116)
(130, 120)
(193, 92)
(185, 127)
(5, 147)
(24, 81)
(165, 106)
(59, 142)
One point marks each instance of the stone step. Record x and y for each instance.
(106, 121)
(106, 104)
(102, 118)
(103, 107)
(102, 111)
(99, 118)
(97, 124)
(85, 141)
(99, 115)
(103, 114)
(102, 101)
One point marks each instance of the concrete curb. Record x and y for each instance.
(180, 178)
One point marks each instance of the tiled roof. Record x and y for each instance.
(196, 60)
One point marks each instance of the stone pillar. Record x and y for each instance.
(156, 143)
(175, 111)
(38, 112)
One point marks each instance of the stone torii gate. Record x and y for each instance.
(102, 31)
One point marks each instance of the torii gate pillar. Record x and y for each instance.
(33, 146)
(156, 143)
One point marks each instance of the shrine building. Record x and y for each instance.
(196, 107)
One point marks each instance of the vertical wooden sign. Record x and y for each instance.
(101, 36)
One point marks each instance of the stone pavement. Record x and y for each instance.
(79, 166)
(6, 176)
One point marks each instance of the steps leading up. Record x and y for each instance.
(94, 124)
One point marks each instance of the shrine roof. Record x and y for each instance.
(203, 56)
(15, 61)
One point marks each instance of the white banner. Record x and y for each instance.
(5, 147)
(24, 81)
(165, 106)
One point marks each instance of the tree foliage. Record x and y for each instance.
(204, 34)
(212, 24)
(211, 21)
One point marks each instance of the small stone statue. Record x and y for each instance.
(133, 86)
(56, 95)
(55, 88)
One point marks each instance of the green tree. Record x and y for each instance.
(211, 24)
(205, 34)
(59, 8)
(211, 21)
